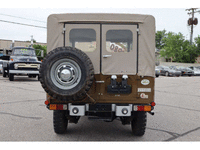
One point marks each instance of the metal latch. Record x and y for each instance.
(105, 56)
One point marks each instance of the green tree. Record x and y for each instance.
(190, 53)
(160, 35)
(197, 42)
(179, 49)
(173, 46)
(38, 47)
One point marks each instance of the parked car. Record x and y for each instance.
(166, 71)
(185, 71)
(198, 67)
(157, 71)
(1, 64)
(22, 61)
(196, 70)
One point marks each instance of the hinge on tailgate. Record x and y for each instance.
(138, 31)
(63, 30)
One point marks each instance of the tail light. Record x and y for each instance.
(153, 104)
(142, 108)
(46, 102)
(56, 106)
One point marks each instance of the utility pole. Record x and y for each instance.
(192, 21)
(32, 41)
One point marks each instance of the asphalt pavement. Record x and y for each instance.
(24, 116)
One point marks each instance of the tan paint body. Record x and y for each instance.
(144, 26)
(98, 92)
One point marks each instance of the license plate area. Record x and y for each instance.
(100, 107)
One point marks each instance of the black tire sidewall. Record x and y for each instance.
(11, 77)
(4, 72)
(138, 124)
(66, 53)
(60, 122)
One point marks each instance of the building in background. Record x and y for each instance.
(6, 44)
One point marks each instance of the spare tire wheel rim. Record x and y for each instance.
(65, 74)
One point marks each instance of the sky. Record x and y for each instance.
(169, 18)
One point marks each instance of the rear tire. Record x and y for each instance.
(4, 73)
(11, 77)
(138, 124)
(60, 122)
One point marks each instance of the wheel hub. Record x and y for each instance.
(65, 74)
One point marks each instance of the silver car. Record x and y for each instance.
(196, 70)
(167, 71)
(157, 71)
(185, 71)
(1, 63)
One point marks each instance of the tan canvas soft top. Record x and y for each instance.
(146, 38)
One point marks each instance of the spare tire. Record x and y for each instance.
(66, 74)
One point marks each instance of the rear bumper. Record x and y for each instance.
(23, 72)
(188, 74)
(84, 110)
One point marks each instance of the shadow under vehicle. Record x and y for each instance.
(167, 71)
(22, 61)
(101, 66)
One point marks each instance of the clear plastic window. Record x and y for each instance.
(24, 52)
(83, 39)
(119, 41)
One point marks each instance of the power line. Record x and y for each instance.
(22, 24)
(22, 18)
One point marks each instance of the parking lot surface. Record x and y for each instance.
(24, 116)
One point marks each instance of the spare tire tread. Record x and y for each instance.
(89, 76)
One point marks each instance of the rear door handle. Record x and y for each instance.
(106, 56)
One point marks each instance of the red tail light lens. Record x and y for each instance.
(142, 108)
(58, 107)
(46, 102)
(153, 104)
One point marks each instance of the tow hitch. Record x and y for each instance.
(151, 113)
